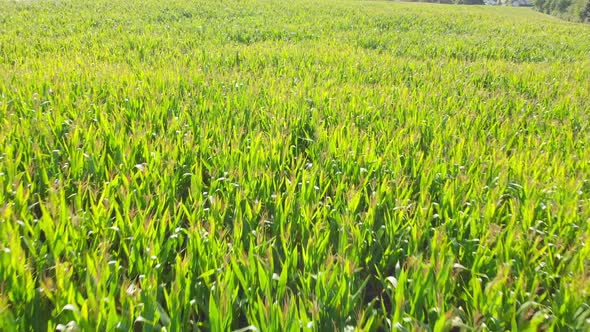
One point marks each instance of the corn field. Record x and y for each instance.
(265, 165)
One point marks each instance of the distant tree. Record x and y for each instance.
(540, 5)
(562, 5)
(470, 2)
(585, 15)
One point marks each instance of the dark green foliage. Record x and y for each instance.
(469, 2)
(585, 15)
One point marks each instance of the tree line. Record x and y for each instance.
(574, 10)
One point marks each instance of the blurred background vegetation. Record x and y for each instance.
(574, 10)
